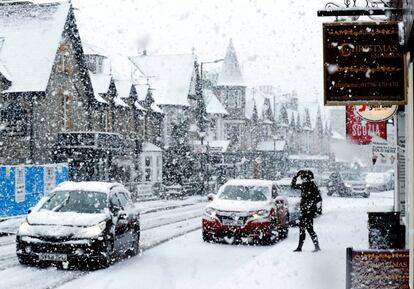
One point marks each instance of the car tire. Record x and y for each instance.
(208, 237)
(109, 254)
(24, 260)
(135, 245)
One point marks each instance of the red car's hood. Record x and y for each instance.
(239, 206)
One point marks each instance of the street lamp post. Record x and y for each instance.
(204, 153)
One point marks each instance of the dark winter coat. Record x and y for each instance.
(310, 196)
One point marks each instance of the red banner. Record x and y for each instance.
(361, 131)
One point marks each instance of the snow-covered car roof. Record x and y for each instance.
(284, 182)
(103, 187)
(249, 182)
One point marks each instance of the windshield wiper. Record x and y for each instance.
(61, 205)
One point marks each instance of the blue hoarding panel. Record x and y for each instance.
(17, 198)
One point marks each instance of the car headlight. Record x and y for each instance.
(93, 231)
(347, 186)
(210, 212)
(260, 214)
(24, 228)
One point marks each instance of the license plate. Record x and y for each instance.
(53, 257)
(237, 223)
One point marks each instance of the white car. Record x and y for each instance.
(246, 209)
(379, 181)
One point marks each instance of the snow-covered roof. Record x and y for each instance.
(123, 88)
(156, 108)
(270, 145)
(5, 72)
(149, 147)
(121, 67)
(119, 102)
(91, 49)
(138, 106)
(142, 90)
(308, 157)
(100, 85)
(103, 187)
(169, 75)
(32, 34)
(230, 74)
(213, 105)
(219, 145)
(249, 182)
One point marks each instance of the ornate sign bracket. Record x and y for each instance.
(368, 8)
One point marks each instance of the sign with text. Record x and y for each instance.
(385, 269)
(383, 155)
(363, 63)
(376, 112)
(361, 131)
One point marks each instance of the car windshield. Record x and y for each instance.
(76, 201)
(350, 176)
(244, 193)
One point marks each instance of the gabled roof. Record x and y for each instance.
(230, 74)
(213, 105)
(169, 75)
(100, 84)
(32, 34)
(123, 87)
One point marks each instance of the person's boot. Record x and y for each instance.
(317, 248)
(298, 249)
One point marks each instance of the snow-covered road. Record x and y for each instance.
(188, 262)
(160, 222)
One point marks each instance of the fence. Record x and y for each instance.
(21, 187)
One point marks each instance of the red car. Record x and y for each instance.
(247, 210)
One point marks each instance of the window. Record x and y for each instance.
(148, 174)
(123, 199)
(274, 192)
(232, 131)
(67, 112)
(148, 169)
(13, 119)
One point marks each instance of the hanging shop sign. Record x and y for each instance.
(369, 269)
(376, 112)
(360, 131)
(363, 63)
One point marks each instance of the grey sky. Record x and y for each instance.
(278, 42)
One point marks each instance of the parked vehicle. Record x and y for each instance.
(247, 210)
(379, 181)
(88, 223)
(347, 184)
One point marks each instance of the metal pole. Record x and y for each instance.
(396, 165)
(410, 170)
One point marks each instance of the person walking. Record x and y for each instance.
(310, 196)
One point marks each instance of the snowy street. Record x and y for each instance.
(188, 262)
(160, 221)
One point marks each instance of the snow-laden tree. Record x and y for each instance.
(319, 124)
(307, 121)
(178, 159)
(283, 116)
(254, 128)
